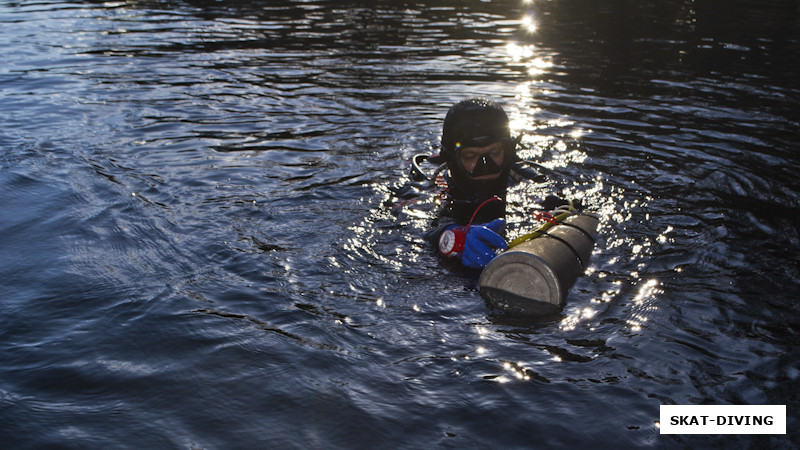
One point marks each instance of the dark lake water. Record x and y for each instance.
(198, 250)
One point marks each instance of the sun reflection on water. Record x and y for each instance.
(571, 321)
(643, 304)
(518, 52)
(529, 24)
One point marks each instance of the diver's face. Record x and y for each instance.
(471, 157)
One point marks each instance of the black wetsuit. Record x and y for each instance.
(458, 208)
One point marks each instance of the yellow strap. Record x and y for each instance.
(538, 232)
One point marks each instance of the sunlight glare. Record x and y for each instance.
(529, 24)
(538, 66)
(518, 52)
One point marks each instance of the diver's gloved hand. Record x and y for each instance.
(474, 245)
(482, 240)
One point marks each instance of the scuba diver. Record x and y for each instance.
(477, 159)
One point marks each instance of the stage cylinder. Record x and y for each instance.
(533, 278)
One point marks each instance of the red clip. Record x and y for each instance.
(547, 217)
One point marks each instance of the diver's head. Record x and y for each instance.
(477, 145)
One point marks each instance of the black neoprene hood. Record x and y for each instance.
(474, 122)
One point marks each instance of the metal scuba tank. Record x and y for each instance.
(533, 278)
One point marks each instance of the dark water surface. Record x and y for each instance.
(197, 247)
